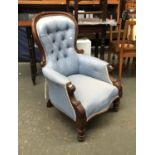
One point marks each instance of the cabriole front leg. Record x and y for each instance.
(80, 132)
(80, 123)
(80, 113)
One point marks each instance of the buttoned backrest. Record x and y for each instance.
(57, 35)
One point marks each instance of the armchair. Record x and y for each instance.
(79, 85)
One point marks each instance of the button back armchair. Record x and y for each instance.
(79, 86)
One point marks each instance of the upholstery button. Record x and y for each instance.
(48, 31)
(63, 37)
(67, 27)
(59, 48)
(68, 46)
(57, 58)
(53, 40)
(65, 55)
(52, 51)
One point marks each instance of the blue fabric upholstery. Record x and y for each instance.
(58, 92)
(63, 65)
(57, 34)
(59, 98)
(54, 76)
(93, 67)
(95, 95)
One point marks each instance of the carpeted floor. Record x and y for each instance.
(46, 131)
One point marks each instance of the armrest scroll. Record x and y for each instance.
(115, 82)
(71, 89)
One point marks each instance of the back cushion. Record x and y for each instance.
(57, 35)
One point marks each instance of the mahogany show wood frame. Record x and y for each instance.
(81, 120)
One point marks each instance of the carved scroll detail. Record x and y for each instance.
(115, 82)
(80, 112)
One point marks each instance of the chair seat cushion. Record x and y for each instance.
(95, 95)
(127, 47)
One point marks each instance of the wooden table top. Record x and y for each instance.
(61, 2)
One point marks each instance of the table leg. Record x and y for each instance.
(103, 37)
(32, 54)
(96, 44)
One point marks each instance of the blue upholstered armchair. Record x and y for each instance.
(79, 86)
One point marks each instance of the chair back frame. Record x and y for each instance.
(36, 37)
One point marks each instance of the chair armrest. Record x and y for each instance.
(94, 67)
(59, 89)
(54, 76)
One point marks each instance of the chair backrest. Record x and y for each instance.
(56, 34)
(129, 35)
(118, 30)
(127, 40)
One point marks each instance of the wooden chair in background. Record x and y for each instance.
(114, 44)
(125, 46)
(130, 4)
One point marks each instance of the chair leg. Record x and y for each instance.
(96, 44)
(113, 59)
(116, 104)
(49, 104)
(128, 63)
(109, 55)
(120, 67)
(133, 65)
(81, 128)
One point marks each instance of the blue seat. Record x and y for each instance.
(95, 95)
(79, 85)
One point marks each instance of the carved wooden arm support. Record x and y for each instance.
(115, 82)
(71, 88)
(76, 104)
(80, 112)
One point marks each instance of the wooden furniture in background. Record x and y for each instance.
(130, 4)
(97, 12)
(117, 4)
(30, 42)
(91, 20)
(63, 3)
(130, 8)
(128, 45)
(125, 47)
